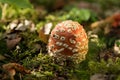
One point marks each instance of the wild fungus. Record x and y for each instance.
(68, 39)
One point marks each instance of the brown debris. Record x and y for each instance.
(108, 54)
(110, 25)
(45, 32)
(12, 43)
(113, 20)
(10, 70)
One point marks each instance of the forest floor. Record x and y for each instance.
(23, 40)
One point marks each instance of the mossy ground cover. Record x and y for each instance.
(21, 42)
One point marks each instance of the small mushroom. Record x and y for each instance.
(68, 38)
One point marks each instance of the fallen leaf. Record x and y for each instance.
(116, 20)
(109, 25)
(27, 23)
(16, 67)
(45, 32)
(113, 20)
(21, 27)
(12, 43)
(32, 27)
(11, 68)
(97, 24)
(13, 24)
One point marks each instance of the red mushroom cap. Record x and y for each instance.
(68, 38)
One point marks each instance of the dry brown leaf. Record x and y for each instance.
(116, 20)
(110, 25)
(12, 68)
(15, 66)
(43, 37)
(13, 42)
(113, 20)
(97, 24)
(44, 32)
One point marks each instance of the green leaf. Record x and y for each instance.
(118, 43)
(18, 3)
(84, 14)
(79, 14)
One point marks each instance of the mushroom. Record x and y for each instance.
(68, 39)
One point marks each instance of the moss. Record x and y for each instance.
(3, 47)
(49, 68)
